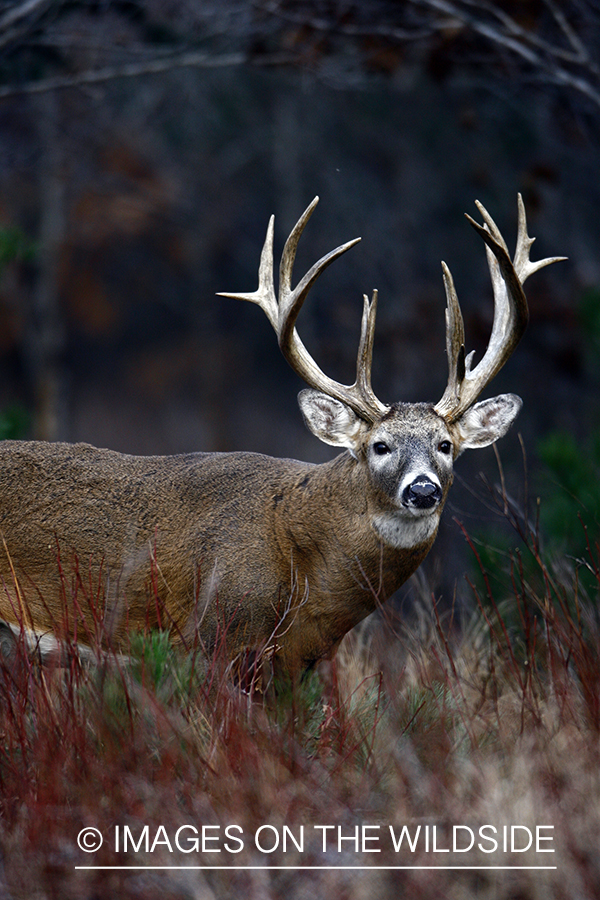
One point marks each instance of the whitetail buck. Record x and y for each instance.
(245, 550)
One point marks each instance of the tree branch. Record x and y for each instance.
(14, 22)
(540, 55)
(135, 70)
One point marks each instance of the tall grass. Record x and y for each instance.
(490, 720)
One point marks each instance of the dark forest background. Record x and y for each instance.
(144, 144)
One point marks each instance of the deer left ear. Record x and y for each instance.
(331, 420)
(487, 421)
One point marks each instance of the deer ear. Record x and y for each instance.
(487, 421)
(330, 420)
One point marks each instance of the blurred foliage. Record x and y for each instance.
(589, 313)
(158, 666)
(566, 523)
(571, 494)
(15, 246)
(589, 323)
(573, 499)
(299, 710)
(14, 423)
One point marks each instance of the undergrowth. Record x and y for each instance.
(493, 722)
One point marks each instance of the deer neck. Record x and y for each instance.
(333, 509)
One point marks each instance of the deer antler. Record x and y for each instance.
(283, 312)
(510, 315)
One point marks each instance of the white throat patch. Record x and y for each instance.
(402, 532)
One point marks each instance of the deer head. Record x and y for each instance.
(409, 448)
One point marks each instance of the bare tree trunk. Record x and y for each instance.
(46, 333)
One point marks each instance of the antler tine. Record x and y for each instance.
(364, 360)
(510, 315)
(455, 345)
(283, 312)
(264, 296)
(523, 265)
(288, 257)
(290, 301)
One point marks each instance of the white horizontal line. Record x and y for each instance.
(301, 868)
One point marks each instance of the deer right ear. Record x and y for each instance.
(330, 420)
(487, 421)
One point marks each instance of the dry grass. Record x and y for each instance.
(493, 721)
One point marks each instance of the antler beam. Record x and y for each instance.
(510, 315)
(283, 311)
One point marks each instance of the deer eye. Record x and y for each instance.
(445, 447)
(380, 449)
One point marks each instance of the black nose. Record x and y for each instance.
(422, 493)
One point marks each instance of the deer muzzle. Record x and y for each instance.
(422, 493)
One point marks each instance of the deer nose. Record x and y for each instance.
(422, 493)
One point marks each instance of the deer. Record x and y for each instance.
(245, 551)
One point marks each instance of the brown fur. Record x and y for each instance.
(267, 549)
